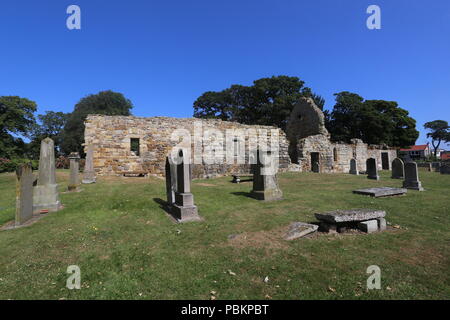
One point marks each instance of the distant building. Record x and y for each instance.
(439, 152)
(445, 155)
(419, 152)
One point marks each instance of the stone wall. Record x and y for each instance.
(335, 157)
(306, 140)
(111, 137)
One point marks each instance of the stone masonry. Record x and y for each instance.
(305, 144)
(112, 136)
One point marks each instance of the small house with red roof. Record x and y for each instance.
(445, 155)
(418, 152)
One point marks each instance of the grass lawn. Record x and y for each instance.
(127, 248)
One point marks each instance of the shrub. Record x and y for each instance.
(62, 162)
(10, 165)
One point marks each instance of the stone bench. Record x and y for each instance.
(237, 177)
(134, 173)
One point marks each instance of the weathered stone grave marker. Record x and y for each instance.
(445, 169)
(372, 169)
(265, 184)
(89, 173)
(398, 169)
(184, 209)
(24, 194)
(299, 229)
(171, 181)
(381, 192)
(45, 193)
(366, 220)
(412, 177)
(354, 167)
(74, 180)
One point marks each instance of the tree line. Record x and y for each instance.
(18, 122)
(268, 101)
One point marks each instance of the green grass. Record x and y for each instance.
(127, 248)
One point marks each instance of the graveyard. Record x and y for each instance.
(118, 231)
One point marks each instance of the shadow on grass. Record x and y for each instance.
(163, 204)
(241, 193)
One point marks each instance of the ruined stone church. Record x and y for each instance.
(135, 145)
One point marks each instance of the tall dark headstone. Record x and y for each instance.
(372, 169)
(24, 194)
(184, 209)
(171, 181)
(89, 173)
(412, 177)
(398, 169)
(445, 168)
(265, 184)
(45, 193)
(354, 167)
(74, 181)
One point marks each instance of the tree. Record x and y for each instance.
(373, 121)
(16, 118)
(269, 101)
(105, 103)
(50, 125)
(440, 131)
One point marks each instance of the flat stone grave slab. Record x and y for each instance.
(339, 216)
(299, 229)
(381, 192)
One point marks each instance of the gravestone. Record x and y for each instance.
(265, 184)
(354, 167)
(412, 177)
(398, 169)
(445, 168)
(45, 193)
(367, 220)
(171, 181)
(89, 173)
(381, 192)
(338, 216)
(74, 181)
(299, 229)
(24, 194)
(372, 169)
(184, 209)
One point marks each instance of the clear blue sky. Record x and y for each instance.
(164, 54)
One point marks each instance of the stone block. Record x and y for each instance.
(382, 225)
(368, 226)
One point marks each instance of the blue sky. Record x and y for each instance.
(164, 54)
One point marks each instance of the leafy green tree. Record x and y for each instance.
(269, 101)
(440, 131)
(16, 118)
(373, 121)
(49, 125)
(105, 103)
(344, 121)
